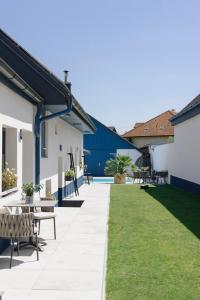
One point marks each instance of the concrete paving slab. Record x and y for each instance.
(72, 266)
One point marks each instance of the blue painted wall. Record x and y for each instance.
(103, 145)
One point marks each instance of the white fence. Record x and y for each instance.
(161, 156)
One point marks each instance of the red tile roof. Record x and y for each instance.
(158, 126)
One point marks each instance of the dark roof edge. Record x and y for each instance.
(185, 115)
(58, 84)
(116, 134)
(12, 76)
(24, 54)
(82, 114)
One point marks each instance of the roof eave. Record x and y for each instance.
(13, 77)
(184, 116)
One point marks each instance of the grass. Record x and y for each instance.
(154, 247)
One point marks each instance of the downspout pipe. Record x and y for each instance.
(38, 122)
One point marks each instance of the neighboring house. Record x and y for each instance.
(103, 145)
(155, 131)
(40, 123)
(185, 163)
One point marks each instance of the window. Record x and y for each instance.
(44, 139)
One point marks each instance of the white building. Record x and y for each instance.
(184, 166)
(40, 123)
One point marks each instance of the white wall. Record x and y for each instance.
(15, 113)
(132, 153)
(161, 156)
(60, 133)
(28, 154)
(140, 142)
(185, 162)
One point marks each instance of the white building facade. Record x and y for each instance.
(181, 158)
(185, 162)
(41, 125)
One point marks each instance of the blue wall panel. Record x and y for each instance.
(97, 159)
(103, 145)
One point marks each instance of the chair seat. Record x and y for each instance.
(44, 215)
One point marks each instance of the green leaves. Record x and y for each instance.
(29, 188)
(117, 165)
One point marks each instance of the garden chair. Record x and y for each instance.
(137, 176)
(15, 227)
(45, 213)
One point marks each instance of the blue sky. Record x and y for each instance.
(128, 60)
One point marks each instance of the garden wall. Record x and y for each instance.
(162, 156)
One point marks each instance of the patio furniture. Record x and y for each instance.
(145, 176)
(88, 178)
(161, 176)
(45, 213)
(45, 203)
(137, 176)
(16, 227)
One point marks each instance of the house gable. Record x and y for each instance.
(105, 138)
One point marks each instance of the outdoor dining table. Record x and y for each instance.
(31, 207)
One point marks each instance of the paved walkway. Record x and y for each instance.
(70, 268)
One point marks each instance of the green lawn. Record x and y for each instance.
(154, 247)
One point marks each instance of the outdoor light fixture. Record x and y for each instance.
(60, 147)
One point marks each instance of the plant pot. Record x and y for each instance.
(68, 178)
(29, 199)
(120, 178)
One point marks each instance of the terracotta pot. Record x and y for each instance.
(120, 178)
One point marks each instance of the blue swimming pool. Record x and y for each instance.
(109, 180)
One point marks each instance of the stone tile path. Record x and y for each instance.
(73, 266)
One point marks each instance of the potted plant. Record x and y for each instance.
(118, 168)
(29, 189)
(69, 174)
(9, 178)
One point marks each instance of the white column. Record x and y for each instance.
(19, 160)
(11, 147)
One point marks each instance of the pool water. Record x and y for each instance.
(109, 180)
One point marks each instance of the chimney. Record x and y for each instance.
(67, 83)
(173, 111)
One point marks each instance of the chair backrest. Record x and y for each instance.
(16, 226)
(47, 209)
(136, 175)
(144, 174)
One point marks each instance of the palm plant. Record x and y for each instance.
(118, 167)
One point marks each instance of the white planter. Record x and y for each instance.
(29, 199)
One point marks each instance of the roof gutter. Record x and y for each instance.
(12, 76)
